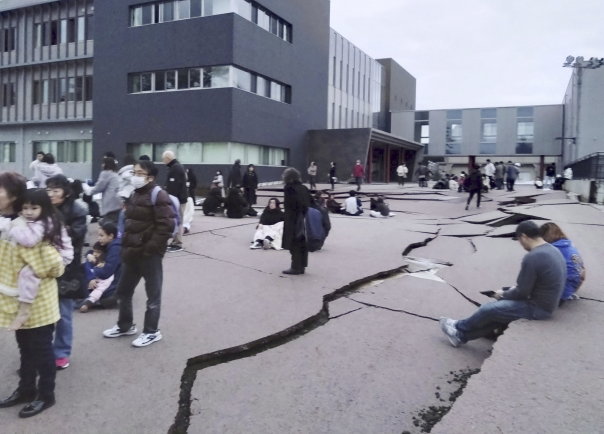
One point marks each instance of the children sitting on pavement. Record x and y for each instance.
(95, 259)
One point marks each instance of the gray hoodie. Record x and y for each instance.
(43, 171)
(109, 185)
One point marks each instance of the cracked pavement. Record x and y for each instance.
(351, 347)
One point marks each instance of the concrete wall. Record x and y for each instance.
(400, 90)
(216, 115)
(588, 190)
(25, 135)
(403, 124)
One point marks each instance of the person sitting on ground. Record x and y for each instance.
(214, 202)
(442, 184)
(538, 183)
(95, 258)
(538, 289)
(333, 206)
(353, 205)
(315, 243)
(461, 181)
(575, 269)
(381, 209)
(485, 183)
(453, 183)
(235, 204)
(269, 232)
(320, 198)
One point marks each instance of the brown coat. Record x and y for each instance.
(147, 228)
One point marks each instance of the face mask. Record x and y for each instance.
(139, 181)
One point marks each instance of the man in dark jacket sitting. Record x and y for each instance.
(147, 230)
(176, 185)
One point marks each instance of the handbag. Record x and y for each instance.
(300, 233)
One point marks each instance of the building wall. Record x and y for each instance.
(398, 90)
(211, 115)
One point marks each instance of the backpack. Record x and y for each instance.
(314, 225)
(175, 207)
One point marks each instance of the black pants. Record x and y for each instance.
(478, 195)
(359, 182)
(37, 359)
(401, 180)
(150, 269)
(422, 181)
(333, 183)
(111, 217)
(311, 181)
(299, 252)
(510, 184)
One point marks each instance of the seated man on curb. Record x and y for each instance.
(536, 294)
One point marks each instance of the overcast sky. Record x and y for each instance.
(477, 53)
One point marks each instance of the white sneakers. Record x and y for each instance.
(145, 339)
(448, 326)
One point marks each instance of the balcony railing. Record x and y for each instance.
(589, 167)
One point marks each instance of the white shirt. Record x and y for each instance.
(402, 170)
(350, 205)
(490, 169)
(568, 173)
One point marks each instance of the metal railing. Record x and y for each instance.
(589, 167)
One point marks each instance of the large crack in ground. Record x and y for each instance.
(194, 365)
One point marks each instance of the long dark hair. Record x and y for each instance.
(50, 217)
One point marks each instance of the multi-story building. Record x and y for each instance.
(212, 80)
(529, 135)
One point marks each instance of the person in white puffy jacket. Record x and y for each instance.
(125, 174)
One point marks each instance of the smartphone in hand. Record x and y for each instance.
(488, 293)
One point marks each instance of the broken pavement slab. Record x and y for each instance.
(464, 230)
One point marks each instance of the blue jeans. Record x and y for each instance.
(491, 315)
(64, 330)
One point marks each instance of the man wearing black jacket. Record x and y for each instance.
(176, 185)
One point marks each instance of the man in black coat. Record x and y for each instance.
(474, 185)
(234, 179)
(176, 185)
(250, 185)
(296, 203)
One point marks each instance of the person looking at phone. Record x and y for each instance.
(536, 295)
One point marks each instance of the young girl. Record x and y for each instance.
(39, 222)
(219, 181)
(96, 259)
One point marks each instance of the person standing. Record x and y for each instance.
(176, 185)
(358, 172)
(512, 175)
(312, 175)
(125, 173)
(219, 181)
(550, 176)
(74, 217)
(250, 185)
(45, 169)
(34, 337)
(401, 172)
(333, 177)
(108, 184)
(489, 170)
(474, 186)
(234, 180)
(296, 204)
(148, 228)
(499, 168)
(422, 173)
(38, 160)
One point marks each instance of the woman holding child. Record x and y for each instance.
(35, 335)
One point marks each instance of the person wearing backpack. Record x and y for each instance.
(150, 223)
(176, 185)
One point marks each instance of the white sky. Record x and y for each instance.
(477, 53)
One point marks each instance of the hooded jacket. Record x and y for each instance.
(147, 227)
(213, 202)
(126, 187)
(272, 216)
(235, 176)
(109, 185)
(74, 217)
(295, 204)
(113, 267)
(235, 204)
(574, 266)
(43, 171)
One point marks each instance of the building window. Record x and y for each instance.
(213, 153)
(8, 152)
(8, 38)
(213, 77)
(166, 11)
(488, 133)
(487, 148)
(67, 31)
(454, 132)
(9, 97)
(66, 151)
(526, 130)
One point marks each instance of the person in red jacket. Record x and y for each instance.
(359, 173)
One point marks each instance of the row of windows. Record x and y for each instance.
(64, 31)
(166, 11)
(213, 153)
(65, 151)
(207, 78)
(348, 119)
(8, 152)
(522, 148)
(8, 39)
(521, 112)
(57, 90)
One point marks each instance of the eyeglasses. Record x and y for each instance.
(140, 173)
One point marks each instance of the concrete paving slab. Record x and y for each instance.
(506, 231)
(353, 375)
(543, 377)
(342, 306)
(484, 218)
(569, 213)
(446, 249)
(464, 230)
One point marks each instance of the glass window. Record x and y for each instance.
(454, 132)
(189, 153)
(238, 152)
(82, 28)
(217, 76)
(277, 157)
(196, 8)
(160, 81)
(170, 80)
(453, 148)
(53, 96)
(54, 33)
(242, 80)
(243, 8)
(147, 14)
(88, 92)
(183, 78)
(38, 35)
(274, 25)
(525, 112)
(454, 114)
(525, 131)
(262, 87)
(79, 88)
(264, 20)
(216, 7)
(489, 132)
(89, 27)
(217, 153)
(254, 154)
(63, 89)
(524, 148)
(488, 113)
(487, 148)
(8, 152)
(136, 16)
(184, 9)
(147, 82)
(71, 89)
(422, 116)
(167, 11)
(135, 83)
(195, 77)
(275, 91)
(138, 149)
(288, 33)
